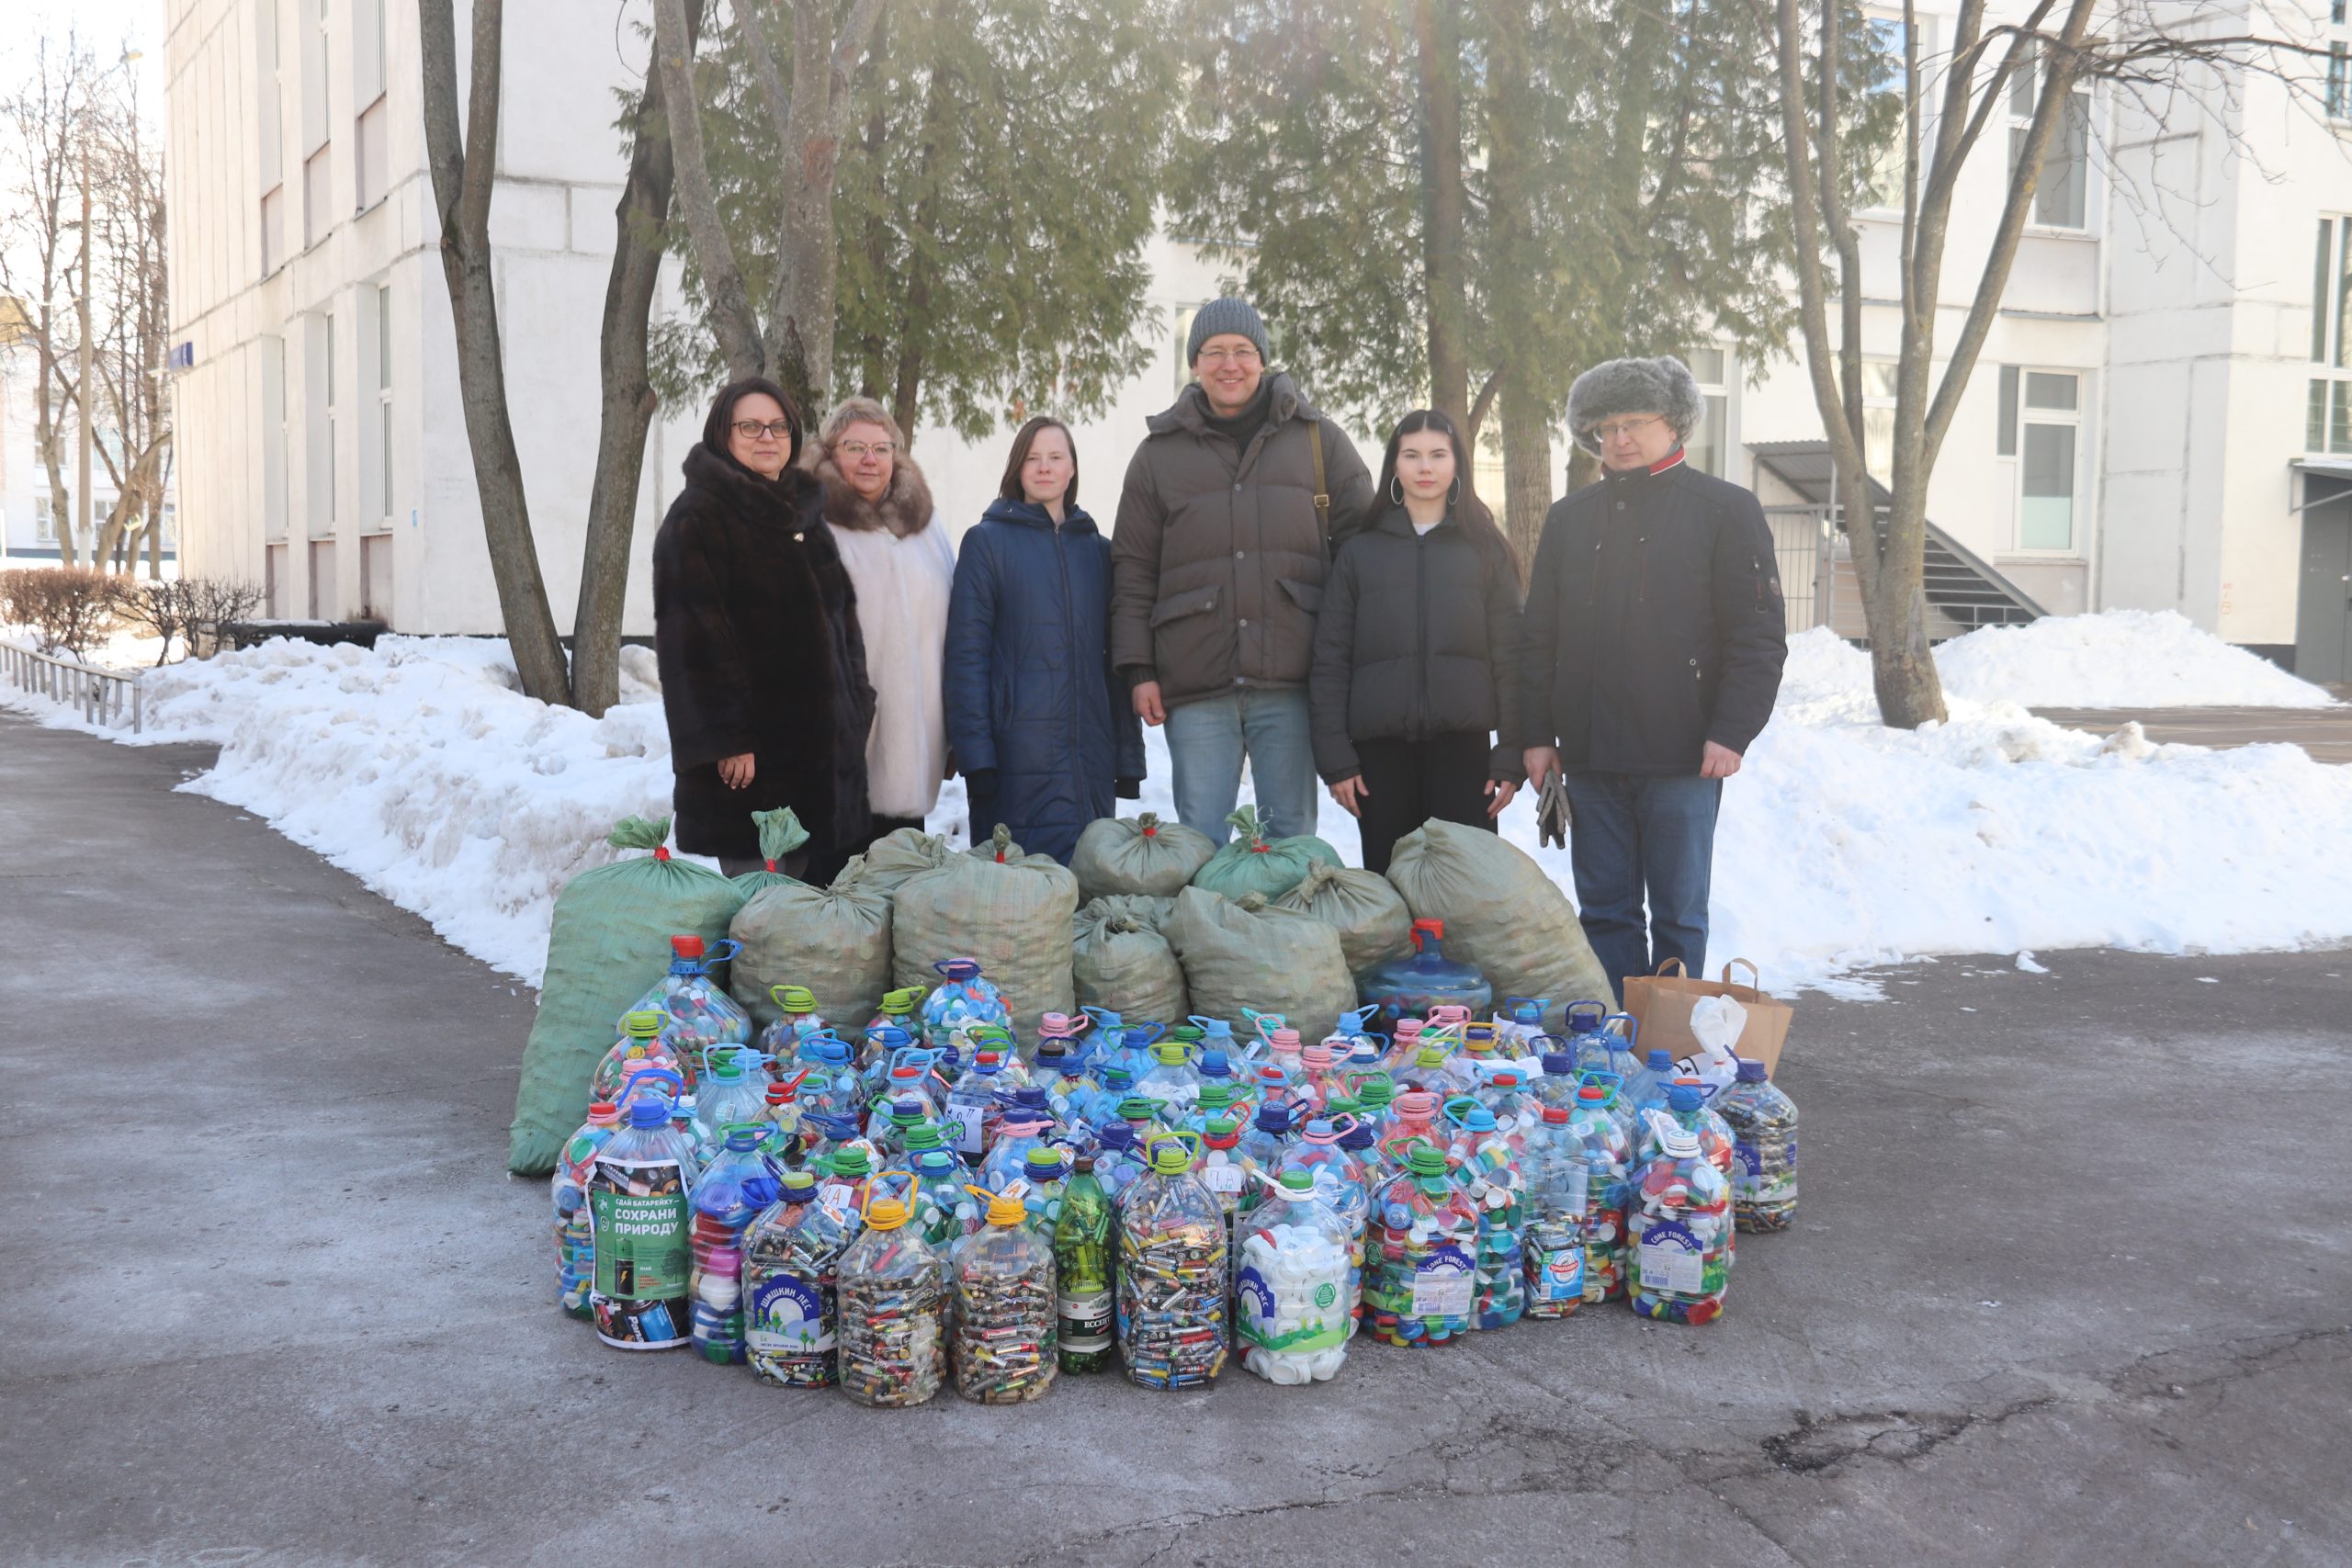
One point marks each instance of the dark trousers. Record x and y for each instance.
(1633, 836)
(1408, 782)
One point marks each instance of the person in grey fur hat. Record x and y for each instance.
(1218, 562)
(1649, 658)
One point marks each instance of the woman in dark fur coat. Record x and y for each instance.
(755, 626)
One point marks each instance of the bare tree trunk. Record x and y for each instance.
(800, 323)
(914, 344)
(728, 302)
(1526, 412)
(155, 540)
(640, 222)
(464, 173)
(1438, 37)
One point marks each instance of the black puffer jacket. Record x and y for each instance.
(1419, 635)
(755, 628)
(1653, 624)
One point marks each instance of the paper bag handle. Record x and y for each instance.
(1755, 980)
(1677, 965)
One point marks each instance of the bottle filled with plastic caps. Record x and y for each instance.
(734, 1093)
(1609, 1160)
(639, 1186)
(697, 1012)
(1680, 1252)
(1343, 1181)
(735, 1187)
(892, 1298)
(1421, 1255)
(1685, 1101)
(1027, 1124)
(1763, 1122)
(1083, 1252)
(1005, 1307)
(1119, 1160)
(944, 1210)
(1518, 1023)
(640, 1047)
(1173, 1084)
(963, 998)
(575, 1242)
(1486, 1163)
(796, 1019)
(1290, 1296)
(791, 1270)
(1172, 1257)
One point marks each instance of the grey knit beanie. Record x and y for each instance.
(1226, 315)
(1615, 386)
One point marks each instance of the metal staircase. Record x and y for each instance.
(1963, 591)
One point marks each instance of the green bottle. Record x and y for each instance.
(1082, 1271)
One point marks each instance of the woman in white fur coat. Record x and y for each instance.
(902, 564)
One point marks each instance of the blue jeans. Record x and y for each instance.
(1206, 742)
(1631, 835)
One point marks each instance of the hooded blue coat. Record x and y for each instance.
(1029, 693)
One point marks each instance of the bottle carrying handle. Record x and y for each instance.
(1102, 1018)
(1264, 1024)
(1336, 1131)
(640, 1078)
(1632, 1030)
(1354, 1023)
(1597, 1011)
(875, 1189)
(712, 955)
(1193, 1143)
(1133, 1035)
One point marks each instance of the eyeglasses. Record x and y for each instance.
(753, 429)
(1244, 357)
(1616, 428)
(860, 448)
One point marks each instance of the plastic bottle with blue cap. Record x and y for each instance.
(791, 1271)
(963, 998)
(1027, 1124)
(575, 1241)
(1410, 987)
(733, 1093)
(1518, 1025)
(1763, 1122)
(1685, 1102)
(732, 1191)
(1173, 1084)
(976, 1105)
(1558, 1195)
(638, 1188)
(1486, 1163)
(1608, 1159)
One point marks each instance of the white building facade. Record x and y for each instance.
(2140, 432)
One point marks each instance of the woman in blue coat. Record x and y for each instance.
(1043, 730)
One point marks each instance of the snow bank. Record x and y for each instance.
(2120, 659)
(422, 769)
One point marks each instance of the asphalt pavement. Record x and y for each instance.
(2069, 1285)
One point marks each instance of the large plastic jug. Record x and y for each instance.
(697, 1012)
(1409, 988)
(965, 997)
(1004, 1308)
(1291, 1294)
(791, 1266)
(1680, 1252)
(892, 1302)
(637, 1206)
(734, 1187)
(1420, 1255)
(1485, 1163)
(1763, 1122)
(575, 1244)
(1172, 1272)
(1559, 1182)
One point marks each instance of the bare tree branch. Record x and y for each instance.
(728, 301)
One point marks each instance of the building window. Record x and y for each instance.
(1706, 448)
(273, 438)
(2327, 424)
(2062, 198)
(44, 522)
(369, 135)
(319, 444)
(384, 399)
(2041, 425)
(1878, 418)
(1185, 314)
(318, 176)
(272, 151)
(1886, 89)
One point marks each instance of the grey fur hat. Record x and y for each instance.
(1226, 315)
(1615, 387)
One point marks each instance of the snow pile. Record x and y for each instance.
(421, 768)
(2120, 658)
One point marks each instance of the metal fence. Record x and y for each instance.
(1804, 543)
(103, 697)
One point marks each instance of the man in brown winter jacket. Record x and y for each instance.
(1217, 569)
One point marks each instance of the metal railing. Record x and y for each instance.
(1804, 543)
(103, 696)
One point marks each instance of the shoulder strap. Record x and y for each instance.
(1322, 485)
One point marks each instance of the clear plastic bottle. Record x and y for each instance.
(1404, 1043)
(1265, 1146)
(1119, 1160)
(791, 1267)
(1763, 1122)
(1558, 1195)
(1173, 1084)
(963, 996)
(1027, 1125)
(637, 1205)
(1331, 1152)
(1519, 1023)
(1559, 1083)
(892, 1300)
(697, 1012)
(907, 1074)
(1290, 1297)
(1353, 1045)
(780, 1141)
(1066, 1033)
(1685, 1101)
(1409, 988)
(1099, 1106)
(1679, 1255)
(1515, 1107)
(844, 1178)
(1609, 1160)
(944, 1210)
(1215, 1104)
(1124, 1046)
(906, 1132)
(1084, 1256)
(732, 1095)
(1220, 1167)
(575, 1240)
(640, 1045)
(1173, 1275)
(1005, 1308)
(1421, 1255)
(1412, 1118)
(734, 1187)
(900, 1008)
(1435, 1071)
(1062, 1073)
(1486, 1163)
(1042, 1176)
(796, 1019)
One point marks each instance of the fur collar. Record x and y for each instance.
(904, 509)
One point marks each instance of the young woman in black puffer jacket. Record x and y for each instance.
(1415, 669)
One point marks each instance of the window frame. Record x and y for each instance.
(2328, 400)
(1891, 207)
(2012, 449)
(2021, 122)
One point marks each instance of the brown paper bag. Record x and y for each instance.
(1661, 1003)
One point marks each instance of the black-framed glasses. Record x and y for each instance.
(753, 429)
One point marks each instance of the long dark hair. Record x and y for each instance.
(1010, 488)
(722, 414)
(1466, 509)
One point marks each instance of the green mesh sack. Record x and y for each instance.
(1370, 915)
(1503, 915)
(893, 857)
(1121, 857)
(1120, 962)
(780, 834)
(1012, 917)
(835, 941)
(608, 943)
(1245, 952)
(1254, 864)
